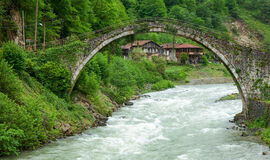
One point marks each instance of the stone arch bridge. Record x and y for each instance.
(249, 67)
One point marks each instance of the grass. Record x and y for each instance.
(230, 97)
(200, 72)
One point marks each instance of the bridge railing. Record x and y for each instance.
(108, 29)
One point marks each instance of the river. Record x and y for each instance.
(183, 123)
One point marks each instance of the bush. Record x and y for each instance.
(26, 120)
(266, 135)
(121, 74)
(55, 77)
(160, 64)
(205, 61)
(88, 84)
(161, 85)
(184, 58)
(14, 55)
(9, 83)
(176, 75)
(9, 140)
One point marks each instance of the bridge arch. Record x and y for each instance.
(228, 53)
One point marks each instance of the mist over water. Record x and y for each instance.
(183, 123)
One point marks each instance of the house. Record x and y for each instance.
(194, 53)
(149, 47)
(168, 48)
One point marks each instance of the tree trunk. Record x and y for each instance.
(23, 30)
(35, 42)
(44, 35)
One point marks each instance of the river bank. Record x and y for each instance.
(169, 124)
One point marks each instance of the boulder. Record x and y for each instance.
(266, 153)
(66, 129)
(145, 96)
(244, 134)
(129, 103)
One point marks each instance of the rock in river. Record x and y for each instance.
(128, 103)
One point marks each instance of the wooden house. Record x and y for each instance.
(194, 53)
(149, 47)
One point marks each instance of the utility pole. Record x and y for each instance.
(35, 42)
(23, 30)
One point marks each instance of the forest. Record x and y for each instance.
(69, 17)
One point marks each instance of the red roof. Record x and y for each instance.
(178, 46)
(135, 44)
(186, 46)
(168, 45)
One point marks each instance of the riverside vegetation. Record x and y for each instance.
(34, 105)
(35, 108)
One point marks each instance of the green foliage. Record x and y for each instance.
(161, 85)
(152, 8)
(205, 60)
(108, 12)
(88, 84)
(14, 55)
(9, 83)
(121, 74)
(233, 96)
(65, 54)
(266, 135)
(176, 75)
(55, 77)
(160, 64)
(233, 8)
(9, 140)
(26, 120)
(184, 58)
(258, 123)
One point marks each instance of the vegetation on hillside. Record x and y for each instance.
(64, 18)
(35, 108)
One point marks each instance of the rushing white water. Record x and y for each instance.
(183, 123)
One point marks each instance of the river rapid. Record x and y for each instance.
(183, 123)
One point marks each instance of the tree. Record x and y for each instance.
(36, 21)
(51, 25)
(108, 12)
(179, 13)
(152, 8)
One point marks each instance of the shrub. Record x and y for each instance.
(27, 120)
(14, 55)
(160, 64)
(184, 58)
(88, 84)
(161, 85)
(9, 83)
(205, 61)
(176, 75)
(121, 74)
(55, 77)
(104, 67)
(266, 135)
(9, 140)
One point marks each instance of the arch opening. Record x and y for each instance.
(189, 36)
